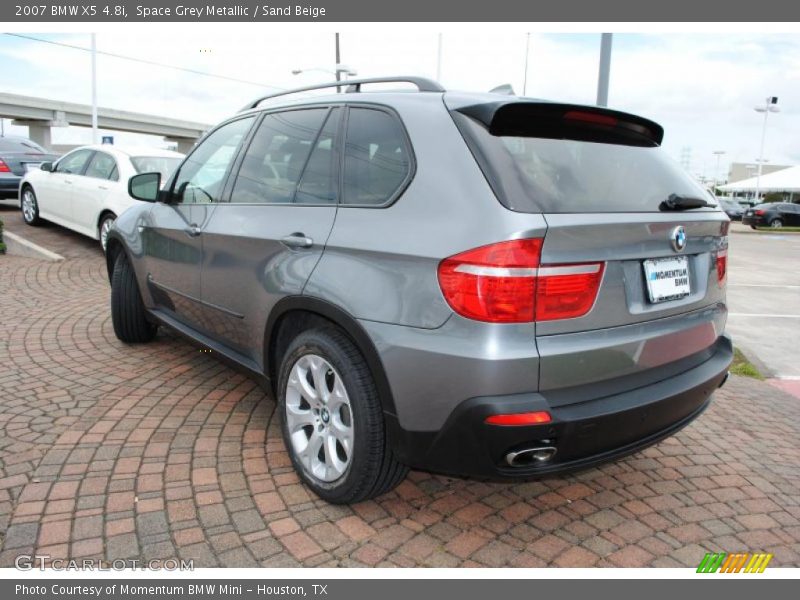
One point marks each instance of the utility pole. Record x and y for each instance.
(94, 88)
(605, 69)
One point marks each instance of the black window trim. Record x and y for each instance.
(237, 164)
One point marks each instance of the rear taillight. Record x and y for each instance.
(760, 213)
(722, 266)
(567, 291)
(504, 283)
(4, 167)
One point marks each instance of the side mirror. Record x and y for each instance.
(46, 166)
(145, 186)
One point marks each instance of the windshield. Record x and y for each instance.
(156, 164)
(531, 174)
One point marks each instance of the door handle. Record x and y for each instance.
(297, 240)
(68, 181)
(193, 230)
(102, 187)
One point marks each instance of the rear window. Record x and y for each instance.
(16, 145)
(538, 174)
(156, 164)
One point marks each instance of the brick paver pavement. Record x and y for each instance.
(159, 451)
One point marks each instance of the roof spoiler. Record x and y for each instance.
(526, 118)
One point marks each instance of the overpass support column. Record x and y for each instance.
(38, 131)
(184, 144)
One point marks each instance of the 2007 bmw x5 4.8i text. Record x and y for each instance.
(476, 284)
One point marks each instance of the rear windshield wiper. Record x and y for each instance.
(676, 202)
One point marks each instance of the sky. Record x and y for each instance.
(701, 87)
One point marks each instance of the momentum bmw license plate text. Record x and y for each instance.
(667, 278)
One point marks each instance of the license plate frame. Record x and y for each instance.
(667, 278)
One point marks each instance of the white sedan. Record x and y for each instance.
(87, 188)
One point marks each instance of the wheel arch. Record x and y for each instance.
(102, 215)
(301, 312)
(115, 246)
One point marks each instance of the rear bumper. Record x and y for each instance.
(754, 220)
(584, 434)
(9, 186)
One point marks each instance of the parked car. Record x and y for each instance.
(18, 155)
(734, 210)
(475, 284)
(86, 189)
(774, 214)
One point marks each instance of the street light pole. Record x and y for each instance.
(439, 58)
(338, 61)
(527, 52)
(718, 154)
(94, 88)
(605, 69)
(770, 105)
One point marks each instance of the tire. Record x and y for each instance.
(128, 314)
(102, 231)
(29, 207)
(776, 223)
(370, 468)
(752, 226)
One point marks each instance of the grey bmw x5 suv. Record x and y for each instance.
(476, 284)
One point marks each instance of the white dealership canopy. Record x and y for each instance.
(785, 180)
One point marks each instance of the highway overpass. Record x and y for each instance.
(39, 115)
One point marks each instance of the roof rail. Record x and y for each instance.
(354, 86)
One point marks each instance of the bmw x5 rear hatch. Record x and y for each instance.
(612, 198)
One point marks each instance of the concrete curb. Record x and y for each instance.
(19, 246)
(757, 362)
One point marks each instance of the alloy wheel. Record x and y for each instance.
(28, 206)
(319, 418)
(105, 227)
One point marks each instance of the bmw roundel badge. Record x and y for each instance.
(678, 238)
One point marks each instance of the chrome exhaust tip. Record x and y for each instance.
(530, 456)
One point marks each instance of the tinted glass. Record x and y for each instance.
(376, 158)
(202, 175)
(276, 157)
(73, 163)
(156, 164)
(532, 174)
(103, 166)
(319, 183)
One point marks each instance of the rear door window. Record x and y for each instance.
(319, 184)
(276, 157)
(377, 160)
(102, 166)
